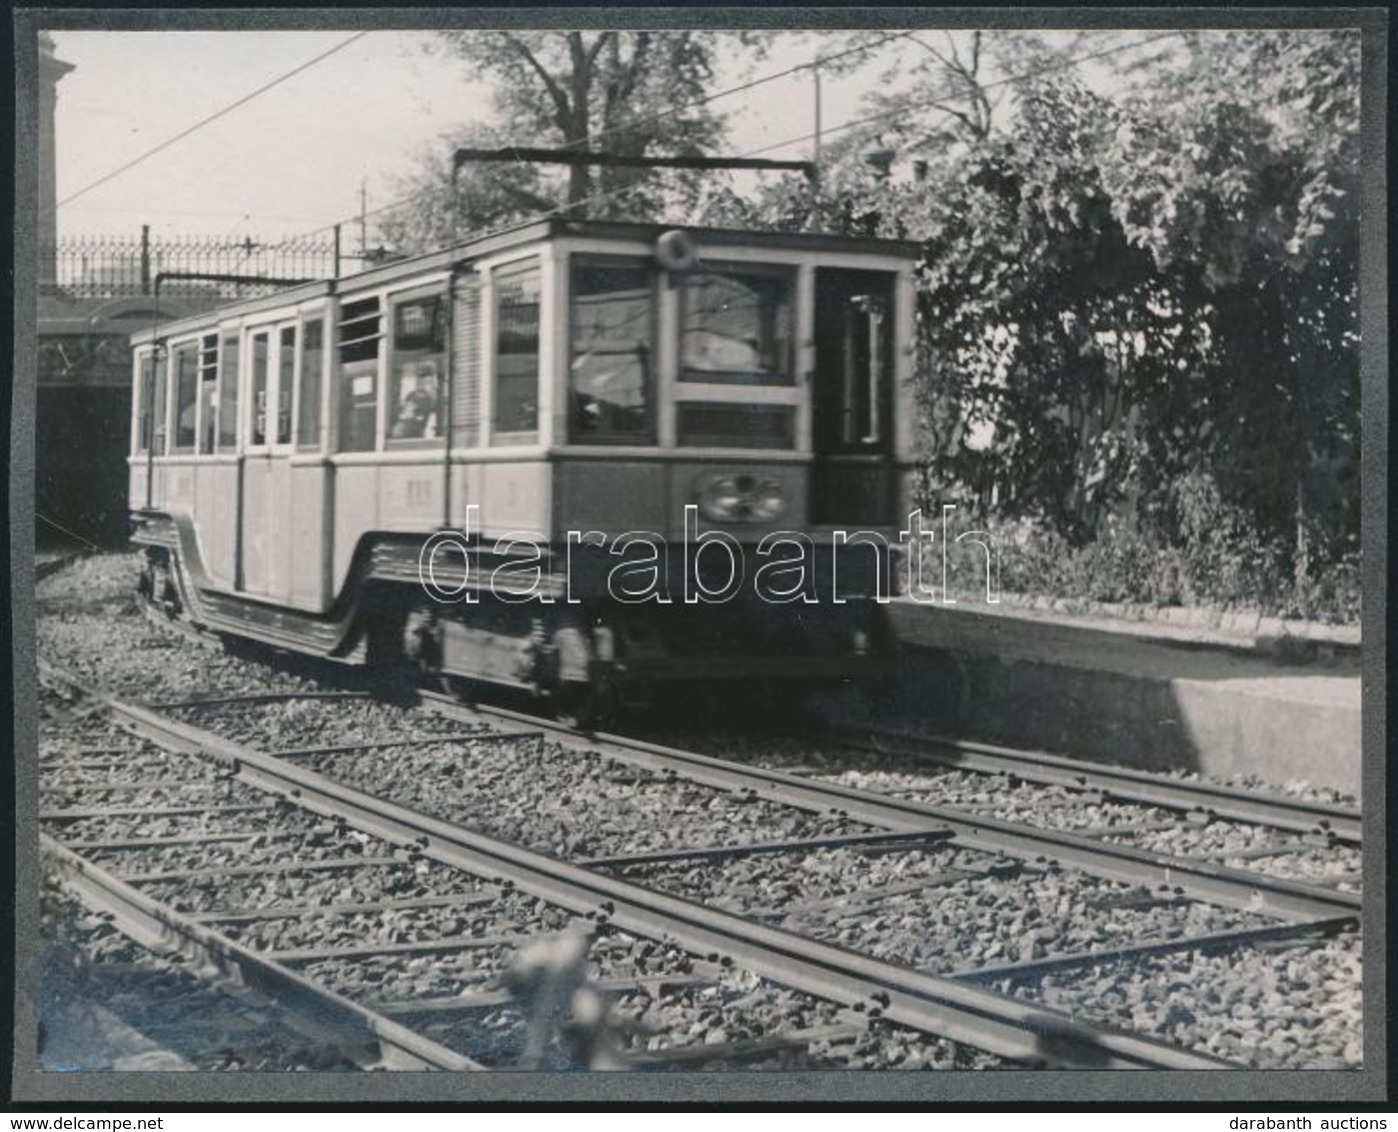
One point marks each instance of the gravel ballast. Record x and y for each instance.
(941, 909)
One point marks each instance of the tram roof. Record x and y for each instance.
(524, 234)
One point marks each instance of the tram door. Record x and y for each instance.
(265, 536)
(853, 478)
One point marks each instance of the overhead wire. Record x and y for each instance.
(215, 116)
(1058, 65)
(606, 194)
(651, 118)
(1019, 78)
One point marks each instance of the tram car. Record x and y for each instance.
(584, 459)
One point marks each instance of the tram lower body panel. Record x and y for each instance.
(555, 622)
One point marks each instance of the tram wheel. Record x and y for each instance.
(586, 706)
(463, 689)
(395, 677)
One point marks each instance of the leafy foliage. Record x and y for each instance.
(630, 93)
(1138, 312)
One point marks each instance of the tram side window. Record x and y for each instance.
(228, 395)
(415, 380)
(360, 332)
(312, 363)
(738, 326)
(145, 400)
(159, 415)
(186, 397)
(611, 369)
(516, 411)
(259, 390)
(208, 393)
(286, 374)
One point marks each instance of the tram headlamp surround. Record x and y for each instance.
(740, 498)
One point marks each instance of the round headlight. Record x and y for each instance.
(740, 498)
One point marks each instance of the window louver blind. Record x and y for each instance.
(466, 364)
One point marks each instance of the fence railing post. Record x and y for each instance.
(145, 259)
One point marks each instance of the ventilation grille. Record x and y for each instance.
(466, 364)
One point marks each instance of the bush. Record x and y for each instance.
(1215, 559)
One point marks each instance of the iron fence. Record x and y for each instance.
(119, 266)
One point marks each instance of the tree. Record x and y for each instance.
(445, 206)
(1241, 178)
(1135, 299)
(633, 93)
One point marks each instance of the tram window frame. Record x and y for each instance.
(424, 352)
(785, 375)
(357, 351)
(145, 400)
(208, 395)
(229, 353)
(258, 401)
(310, 385)
(184, 398)
(288, 341)
(580, 403)
(160, 401)
(522, 428)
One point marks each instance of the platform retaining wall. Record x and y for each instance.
(1112, 694)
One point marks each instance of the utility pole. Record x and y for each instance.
(363, 219)
(815, 145)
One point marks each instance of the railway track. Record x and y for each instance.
(1202, 800)
(904, 997)
(889, 990)
(1294, 901)
(809, 851)
(1151, 803)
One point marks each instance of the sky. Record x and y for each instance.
(293, 159)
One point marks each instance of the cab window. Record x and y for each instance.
(737, 326)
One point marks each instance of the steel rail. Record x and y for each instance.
(326, 1014)
(1114, 782)
(501, 996)
(865, 842)
(996, 1023)
(1203, 880)
(258, 698)
(1216, 941)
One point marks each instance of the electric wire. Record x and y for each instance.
(215, 116)
(1025, 76)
